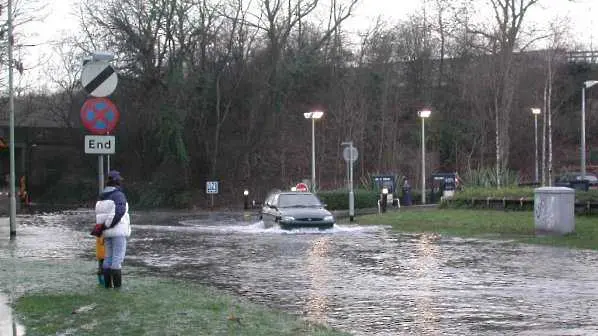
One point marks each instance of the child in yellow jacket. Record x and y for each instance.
(100, 252)
(97, 231)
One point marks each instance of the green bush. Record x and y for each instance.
(480, 192)
(465, 198)
(486, 177)
(158, 195)
(68, 191)
(339, 199)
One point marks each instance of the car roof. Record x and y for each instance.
(577, 174)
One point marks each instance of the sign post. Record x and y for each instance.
(350, 155)
(99, 115)
(212, 189)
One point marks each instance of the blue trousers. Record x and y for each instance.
(116, 247)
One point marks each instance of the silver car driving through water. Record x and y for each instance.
(294, 209)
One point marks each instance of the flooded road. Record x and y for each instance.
(367, 280)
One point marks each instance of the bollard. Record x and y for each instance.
(384, 199)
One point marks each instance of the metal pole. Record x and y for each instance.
(536, 140)
(313, 154)
(100, 173)
(11, 108)
(423, 162)
(108, 159)
(351, 195)
(583, 132)
(348, 176)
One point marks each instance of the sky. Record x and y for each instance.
(581, 14)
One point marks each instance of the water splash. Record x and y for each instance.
(256, 227)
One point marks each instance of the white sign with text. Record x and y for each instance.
(100, 144)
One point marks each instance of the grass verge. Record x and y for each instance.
(63, 299)
(518, 225)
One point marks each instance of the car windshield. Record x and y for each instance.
(577, 177)
(298, 200)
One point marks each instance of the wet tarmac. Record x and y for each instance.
(367, 280)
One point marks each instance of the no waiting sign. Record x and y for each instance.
(99, 115)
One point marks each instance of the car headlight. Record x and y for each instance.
(329, 219)
(287, 218)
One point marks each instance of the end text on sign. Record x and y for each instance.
(100, 144)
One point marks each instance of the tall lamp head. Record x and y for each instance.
(590, 83)
(313, 115)
(424, 113)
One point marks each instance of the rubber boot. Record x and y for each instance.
(108, 278)
(101, 279)
(100, 272)
(116, 278)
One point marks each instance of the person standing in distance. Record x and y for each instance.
(407, 192)
(112, 210)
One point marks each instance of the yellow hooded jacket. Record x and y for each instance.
(100, 251)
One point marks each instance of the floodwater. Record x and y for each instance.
(366, 280)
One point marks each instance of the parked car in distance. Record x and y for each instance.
(295, 209)
(573, 180)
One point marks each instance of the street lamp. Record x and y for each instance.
(536, 112)
(313, 116)
(423, 115)
(586, 85)
(245, 199)
(11, 108)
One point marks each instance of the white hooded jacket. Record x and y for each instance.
(105, 212)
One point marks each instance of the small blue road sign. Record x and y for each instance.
(212, 187)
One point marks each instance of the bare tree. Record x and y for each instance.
(502, 42)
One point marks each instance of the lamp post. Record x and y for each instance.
(313, 116)
(423, 115)
(536, 112)
(11, 108)
(586, 85)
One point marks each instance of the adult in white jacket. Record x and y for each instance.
(112, 210)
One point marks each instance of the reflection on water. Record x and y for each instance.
(317, 305)
(366, 280)
(8, 324)
(426, 273)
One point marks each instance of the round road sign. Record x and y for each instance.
(99, 79)
(301, 187)
(347, 155)
(99, 115)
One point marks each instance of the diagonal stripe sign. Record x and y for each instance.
(99, 79)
